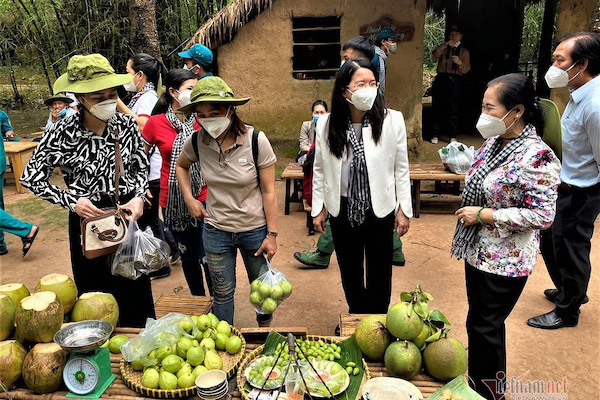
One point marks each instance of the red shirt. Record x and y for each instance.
(158, 131)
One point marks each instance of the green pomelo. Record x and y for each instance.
(12, 354)
(402, 325)
(62, 285)
(403, 359)
(40, 317)
(372, 337)
(16, 291)
(96, 305)
(419, 341)
(43, 367)
(116, 342)
(233, 344)
(445, 359)
(8, 310)
(150, 378)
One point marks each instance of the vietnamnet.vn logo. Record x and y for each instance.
(520, 388)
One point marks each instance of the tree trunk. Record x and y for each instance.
(45, 42)
(18, 98)
(144, 35)
(545, 56)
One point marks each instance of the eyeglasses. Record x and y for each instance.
(362, 85)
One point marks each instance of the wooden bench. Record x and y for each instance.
(14, 151)
(292, 174)
(431, 172)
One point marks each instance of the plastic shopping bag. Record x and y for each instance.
(269, 290)
(123, 263)
(457, 157)
(160, 335)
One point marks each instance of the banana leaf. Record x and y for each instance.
(457, 386)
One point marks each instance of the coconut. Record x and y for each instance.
(43, 367)
(96, 305)
(40, 318)
(12, 354)
(16, 291)
(7, 315)
(62, 285)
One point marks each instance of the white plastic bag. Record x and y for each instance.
(123, 263)
(269, 290)
(457, 157)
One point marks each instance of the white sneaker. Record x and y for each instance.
(434, 140)
(453, 140)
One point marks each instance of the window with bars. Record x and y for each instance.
(316, 47)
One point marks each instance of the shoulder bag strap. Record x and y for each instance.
(195, 144)
(119, 169)
(255, 153)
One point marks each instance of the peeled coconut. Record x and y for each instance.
(16, 291)
(43, 367)
(373, 337)
(12, 354)
(8, 309)
(445, 359)
(402, 323)
(62, 285)
(96, 305)
(40, 318)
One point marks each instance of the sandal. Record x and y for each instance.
(29, 241)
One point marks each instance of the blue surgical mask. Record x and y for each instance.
(342, 63)
(315, 118)
(63, 112)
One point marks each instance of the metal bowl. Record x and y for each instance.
(84, 335)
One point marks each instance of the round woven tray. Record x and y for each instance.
(133, 379)
(241, 379)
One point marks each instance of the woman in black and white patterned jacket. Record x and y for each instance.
(83, 146)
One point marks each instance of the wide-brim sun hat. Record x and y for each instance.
(58, 97)
(213, 89)
(87, 74)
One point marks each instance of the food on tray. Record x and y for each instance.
(328, 372)
(265, 372)
(448, 395)
(312, 350)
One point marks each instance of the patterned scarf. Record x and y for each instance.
(147, 87)
(177, 215)
(473, 194)
(359, 195)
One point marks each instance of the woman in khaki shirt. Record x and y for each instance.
(241, 208)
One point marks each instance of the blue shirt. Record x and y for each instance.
(4, 127)
(580, 126)
(69, 111)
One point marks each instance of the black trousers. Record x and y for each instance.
(151, 218)
(446, 104)
(566, 246)
(491, 299)
(133, 297)
(372, 242)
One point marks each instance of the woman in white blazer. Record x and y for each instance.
(361, 179)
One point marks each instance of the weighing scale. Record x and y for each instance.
(87, 373)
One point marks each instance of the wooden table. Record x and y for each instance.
(292, 174)
(430, 172)
(14, 152)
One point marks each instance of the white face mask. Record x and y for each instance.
(557, 77)
(393, 48)
(104, 110)
(184, 98)
(215, 126)
(489, 126)
(363, 99)
(131, 86)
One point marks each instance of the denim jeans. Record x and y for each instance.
(221, 251)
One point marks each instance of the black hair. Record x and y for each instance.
(360, 43)
(515, 89)
(586, 46)
(174, 79)
(319, 103)
(340, 109)
(149, 65)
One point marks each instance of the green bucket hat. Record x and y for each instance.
(87, 74)
(57, 97)
(212, 89)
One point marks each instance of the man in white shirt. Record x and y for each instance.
(566, 247)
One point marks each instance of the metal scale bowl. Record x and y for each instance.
(87, 373)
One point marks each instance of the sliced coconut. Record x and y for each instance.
(96, 305)
(43, 367)
(38, 301)
(8, 310)
(17, 291)
(40, 317)
(12, 354)
(62, 285)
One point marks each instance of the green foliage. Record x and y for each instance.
(532, 31)
(435, 28)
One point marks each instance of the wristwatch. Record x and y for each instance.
(274, 234)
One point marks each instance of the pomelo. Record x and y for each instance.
(373, 337)
(445, 358)
(403, 359)
(12, 355)
(402, 323)
(40, 317)
(419, 341)
(43, 367)
(62, 285)
(8, 310)
(96, 305)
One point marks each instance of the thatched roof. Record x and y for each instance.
(222, 27)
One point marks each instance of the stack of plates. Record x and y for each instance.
(212, 385)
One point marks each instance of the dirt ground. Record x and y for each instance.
(570, 354)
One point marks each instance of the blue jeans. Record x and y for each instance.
(221, 251)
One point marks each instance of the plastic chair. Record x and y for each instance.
(552, 132)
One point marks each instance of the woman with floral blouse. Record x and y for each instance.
(510, 194)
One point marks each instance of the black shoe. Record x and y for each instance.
(552, 294)
(552, 320)
(337, 330)
(160, 273)
(175, 258)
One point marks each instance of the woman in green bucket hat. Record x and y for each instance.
(83, 147)
(241, 208)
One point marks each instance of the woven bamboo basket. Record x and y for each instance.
(133, 379)
(241, 378)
